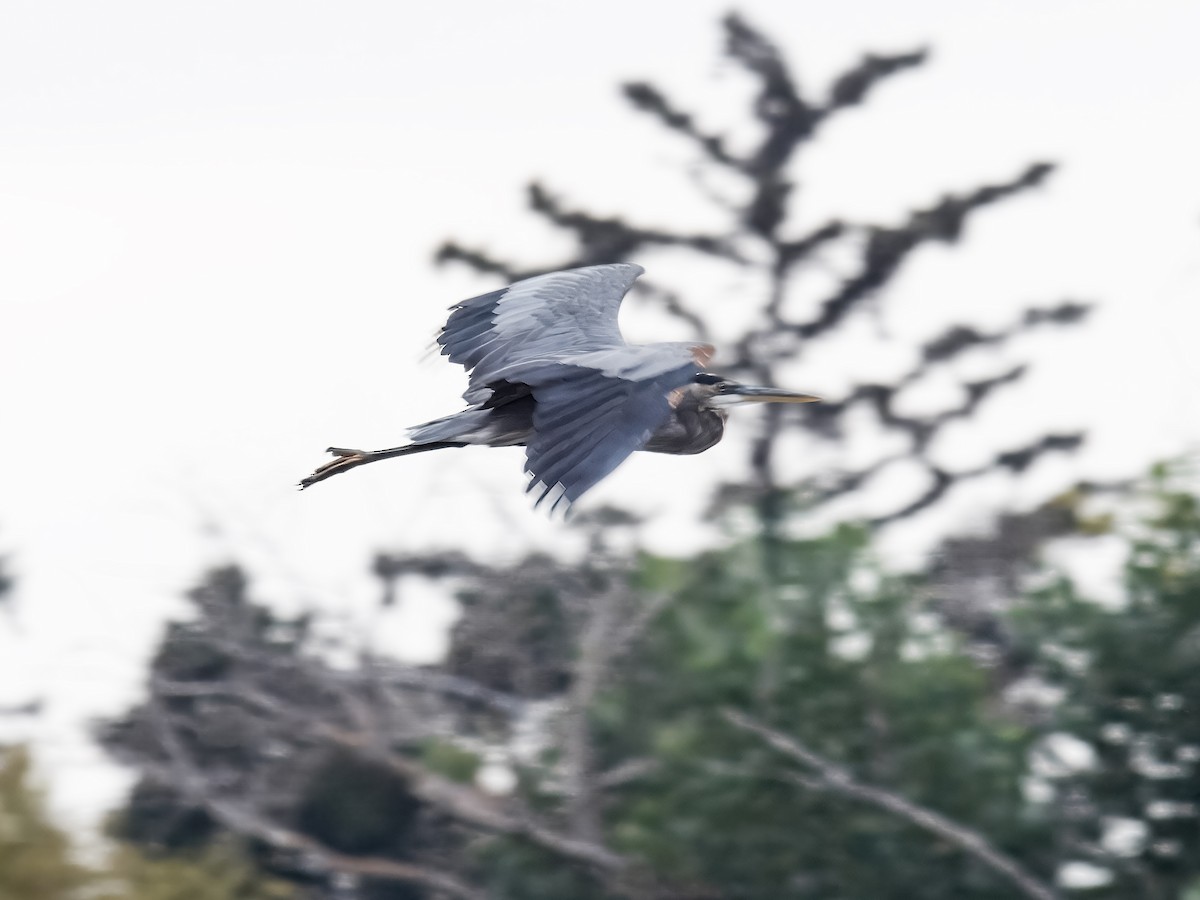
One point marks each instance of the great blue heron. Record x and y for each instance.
(549, 371)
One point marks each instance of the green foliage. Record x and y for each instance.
(1130, 682)
(35, 856)
(450, 760)
(37, 861)
(812, 639)
(219, 873)
(809, 637)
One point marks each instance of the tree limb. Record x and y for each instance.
(649, 99)
(888, 248)
(837, 778)
(186, 777)
(459, 801)
(852, 87)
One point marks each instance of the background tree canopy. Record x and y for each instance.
(780, 716)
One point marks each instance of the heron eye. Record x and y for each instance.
(722, 387)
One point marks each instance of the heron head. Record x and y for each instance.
(720, 392)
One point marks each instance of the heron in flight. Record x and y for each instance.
(548, 370)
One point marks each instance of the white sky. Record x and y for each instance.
(216, 224)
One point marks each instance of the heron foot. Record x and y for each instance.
(346, 460)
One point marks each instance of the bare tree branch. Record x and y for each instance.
(786, 115)
(475, 808)
(629, 770)
(1014, 460)
(888, 248)
(837, 778)
(451, 686)
(480, 261)
(793, 252)
(649, 99)
(461, 802)
(606, 239)
(959, 338)
(185, 776)
(674, 305)
(852, 87)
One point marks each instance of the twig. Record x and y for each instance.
(452, 686)
(839, 779)
(627, 771)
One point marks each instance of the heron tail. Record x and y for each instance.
(467, 426)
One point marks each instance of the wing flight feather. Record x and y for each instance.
(587, 422)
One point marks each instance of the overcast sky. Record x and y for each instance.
(216, 226)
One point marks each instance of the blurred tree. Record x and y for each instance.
(778, 254)
(716, 728)
(774, 719)
(221, 752)
(35, 857)
(356, 777)
(797, 292)
(765, 239)
(37, 861)
(1118, 687)
(220, 872)
(835, 663)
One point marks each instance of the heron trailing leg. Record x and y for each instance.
(350, 459)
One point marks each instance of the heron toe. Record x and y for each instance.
(346, 459)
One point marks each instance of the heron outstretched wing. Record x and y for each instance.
(555, 336)
(595, 409)
(540, 318)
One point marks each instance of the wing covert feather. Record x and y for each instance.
(547, 316)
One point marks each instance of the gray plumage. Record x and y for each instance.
(548, 369)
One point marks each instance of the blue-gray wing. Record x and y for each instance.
(591, 414)
(540, 318)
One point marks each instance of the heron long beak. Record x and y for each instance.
(748, 393)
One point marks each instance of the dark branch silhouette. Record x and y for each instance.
(786, 119)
